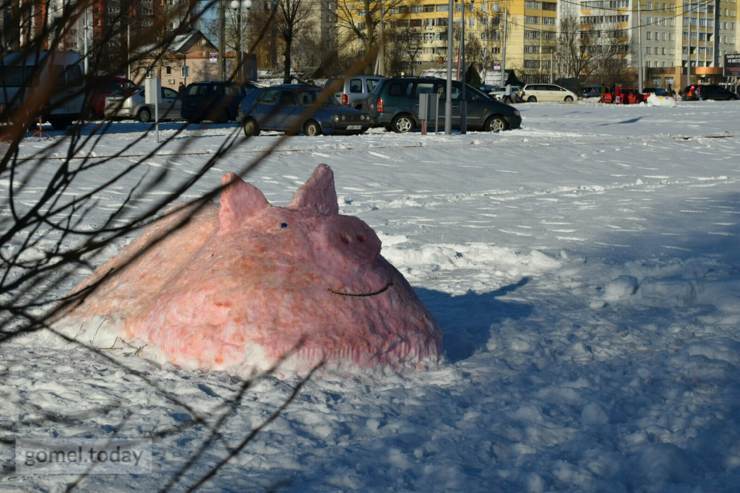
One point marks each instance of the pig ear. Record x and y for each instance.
(239, 200)
(318, 192)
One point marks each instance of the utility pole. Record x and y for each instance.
(222, 38)
(696, 11)
(688, 44)
(639, 48)
(503, 47)
(715, 35)
(85, 53)
(128, 49)
(464, 102)
(448, 95)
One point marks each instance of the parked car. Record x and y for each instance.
(395, 105)
(594, 91)
(99, 88)
(547, 93)
(658, 91)
(622, 95)
(499, 93)
(707, 91)
(60, 83)
(216, 101)
(355, 89)
(288, 107)
(134, 106)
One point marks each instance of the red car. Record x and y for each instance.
(102, 87)
(622, 95)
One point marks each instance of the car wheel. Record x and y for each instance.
(495, 124)
(402, 124)
(568, 99)
(531, 99)
(251, 129)
(311, 128)
(144, 116)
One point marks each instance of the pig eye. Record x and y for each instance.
(360, 238)
(283, 225)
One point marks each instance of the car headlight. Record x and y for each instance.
(336, 118)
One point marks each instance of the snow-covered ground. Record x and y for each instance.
(585, 271)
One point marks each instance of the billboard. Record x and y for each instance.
(732, 64)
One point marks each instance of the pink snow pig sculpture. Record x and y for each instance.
(241, 285)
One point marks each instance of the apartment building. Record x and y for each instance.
(673, 41)
(421, 29)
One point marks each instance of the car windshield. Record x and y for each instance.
(306, 98)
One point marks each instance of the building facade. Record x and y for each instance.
(511, 34)
(673, 42)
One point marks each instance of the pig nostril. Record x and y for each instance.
(361, 238)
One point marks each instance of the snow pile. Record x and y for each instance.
(655, 100)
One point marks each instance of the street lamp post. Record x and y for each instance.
(463, 95)
(497, 9)
(448, 95)
(222, 39)
(240, 6)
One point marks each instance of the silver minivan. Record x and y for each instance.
(354, 90)
(134, 106)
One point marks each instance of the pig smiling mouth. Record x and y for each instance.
(372, 293)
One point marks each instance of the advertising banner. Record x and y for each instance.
(732, 64)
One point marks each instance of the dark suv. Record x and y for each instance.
(217, 101)
(394, 104)
(707, 91)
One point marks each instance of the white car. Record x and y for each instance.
(547, 93)
(134, 106)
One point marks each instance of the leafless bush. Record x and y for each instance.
(47, 231)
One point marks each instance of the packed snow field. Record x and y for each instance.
(585, 271)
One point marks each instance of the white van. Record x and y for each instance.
(56, 77)
(547, 93)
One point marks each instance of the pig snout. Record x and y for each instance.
(350, 238)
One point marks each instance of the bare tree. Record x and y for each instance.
(610, 58)
(404, 43)
(589, 54)
(491, 36)
(362, 19)
(575, 52)
(292, 15)
(48, 236)
(53, 225)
